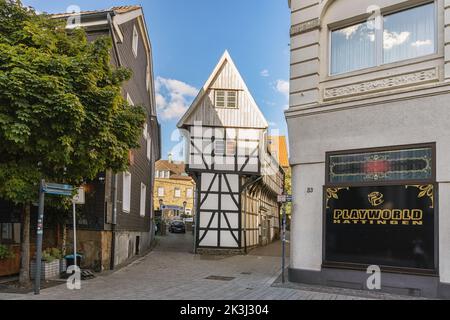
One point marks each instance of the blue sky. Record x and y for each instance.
(189, 36)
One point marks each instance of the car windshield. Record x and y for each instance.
(178, 223)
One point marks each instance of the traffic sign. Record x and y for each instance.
(58, 189)
(283, 198)
(79, 197)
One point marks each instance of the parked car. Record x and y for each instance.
(177, 227)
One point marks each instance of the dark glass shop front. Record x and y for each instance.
(380, 209)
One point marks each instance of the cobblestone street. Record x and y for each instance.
(171, 271)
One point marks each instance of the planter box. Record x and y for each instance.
(49, 270)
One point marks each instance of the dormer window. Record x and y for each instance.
(226, 99)
(135, 43)
(402, 35)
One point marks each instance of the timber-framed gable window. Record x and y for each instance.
(226, 99)
(395, 36)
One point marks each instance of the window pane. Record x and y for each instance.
(220, 98)
(352, 48)
(219, 147)
(231, 99)
(409, 164)
(409, 34)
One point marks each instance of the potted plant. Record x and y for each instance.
(51, 265)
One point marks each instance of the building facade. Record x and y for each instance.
(237, 179)
(174, 190)
(368, 126)
(117, 220)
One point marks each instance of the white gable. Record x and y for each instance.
(225, 76)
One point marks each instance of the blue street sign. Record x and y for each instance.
(164, 207)
(288, 198)
(58, 189)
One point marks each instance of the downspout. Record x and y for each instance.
(244, 191)
(114, 175)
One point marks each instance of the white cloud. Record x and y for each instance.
(349, 31)
(392, 39)
(420, 43)
(282, 86)
(264, 73)
(173, 97)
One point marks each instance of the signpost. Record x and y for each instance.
(45, 188)
(77, 199)
(283, 199)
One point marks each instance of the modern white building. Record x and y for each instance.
(237, 179)
(369, 143)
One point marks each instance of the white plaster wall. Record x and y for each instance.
(306, 228)
(444, 232)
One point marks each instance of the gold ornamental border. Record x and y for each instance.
(332, 193)
(426, 190)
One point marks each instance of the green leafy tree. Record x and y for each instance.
(62, 114)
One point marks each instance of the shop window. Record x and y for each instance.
(391, 165)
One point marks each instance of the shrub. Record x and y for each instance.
(51, 254)
(5, 253)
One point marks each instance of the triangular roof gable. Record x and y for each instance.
(226, 58)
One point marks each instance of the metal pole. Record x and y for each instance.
(74, 235)
(283, 243)
(40, 231)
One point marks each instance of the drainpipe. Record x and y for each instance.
(244, 191)
(114, 175)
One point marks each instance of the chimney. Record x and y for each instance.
(170, 158)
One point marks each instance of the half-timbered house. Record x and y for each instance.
(237, 179)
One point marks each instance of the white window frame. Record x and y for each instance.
(149, 148)
(145, 130)
(161, 192)
(379, 39)
(135, 41)
(189, 193)
(147, 79)
(177, 193)
(156, 173)
(167, 174)
(143, 200)
(126, 192)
